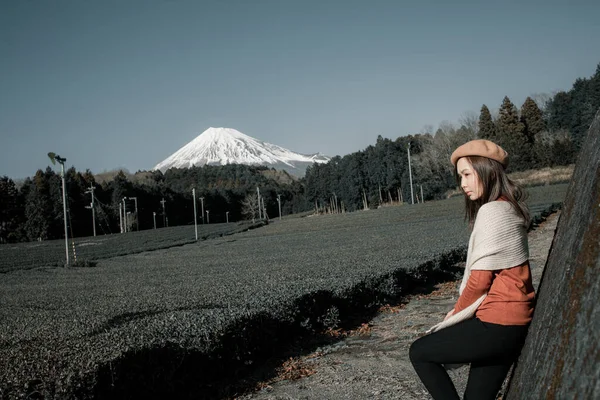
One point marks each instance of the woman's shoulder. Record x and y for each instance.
(495, 207)
(498, 212)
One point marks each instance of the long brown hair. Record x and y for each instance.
(494, 185)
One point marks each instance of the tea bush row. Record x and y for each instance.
(52, 253)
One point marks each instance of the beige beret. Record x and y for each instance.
(481, 147)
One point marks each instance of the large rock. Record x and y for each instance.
(561, 357)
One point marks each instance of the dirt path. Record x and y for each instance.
(373, 363)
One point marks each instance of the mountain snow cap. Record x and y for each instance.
(221, 146)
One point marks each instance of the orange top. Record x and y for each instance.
(510, 297)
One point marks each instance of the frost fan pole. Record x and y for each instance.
(56, 158)
(258, 197)
(163, 201)
(412, 197)
(124, 215)
(279, 202)
(92, 206)
(137, 221)
(202, 204)
(195, 219)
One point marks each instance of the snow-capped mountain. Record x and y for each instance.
(221, 146)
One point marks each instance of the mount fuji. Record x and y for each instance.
(221, 146)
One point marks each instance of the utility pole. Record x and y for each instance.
(154, 218)
(258, 196)
(92, 206)
(207, 217)
(125, 213)
(62, 175)
(202, 203)
(56, 158)
(163, 201)
(137, 221)
(121, 216)
(335, 204)
(279, 202)
(412, 197)
(195, 219)
(227, 216)
(422, 198)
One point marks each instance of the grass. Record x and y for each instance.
(544, 176)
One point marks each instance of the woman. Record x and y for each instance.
(488, 324)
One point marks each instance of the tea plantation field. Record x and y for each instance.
(175, 322)
(52, 252)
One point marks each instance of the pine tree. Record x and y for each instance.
(511, 136)
(532, 119)
(487, 130)
(9, 210)
(38, 208)
(120, 187)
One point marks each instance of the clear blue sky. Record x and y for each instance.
(125, 83)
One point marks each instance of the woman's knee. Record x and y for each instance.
(415, 353)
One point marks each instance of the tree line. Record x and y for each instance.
(34, 211)
(545, 133)
(540, 134)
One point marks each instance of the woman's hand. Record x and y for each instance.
(450, 313)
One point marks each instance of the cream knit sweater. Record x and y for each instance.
(498, 241)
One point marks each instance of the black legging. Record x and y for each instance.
(489, 348)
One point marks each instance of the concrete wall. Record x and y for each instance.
(561, 357)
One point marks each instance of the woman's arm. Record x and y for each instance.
(479, 282)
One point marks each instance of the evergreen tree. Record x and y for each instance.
(535, 126)
(38, 208)
(487, 130)
(510, 135)
(10, 211)
(351, 182)
(559, 112)
(80, 218)
(574, 110)
(532, 119)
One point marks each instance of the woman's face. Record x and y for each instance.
(469, 180)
